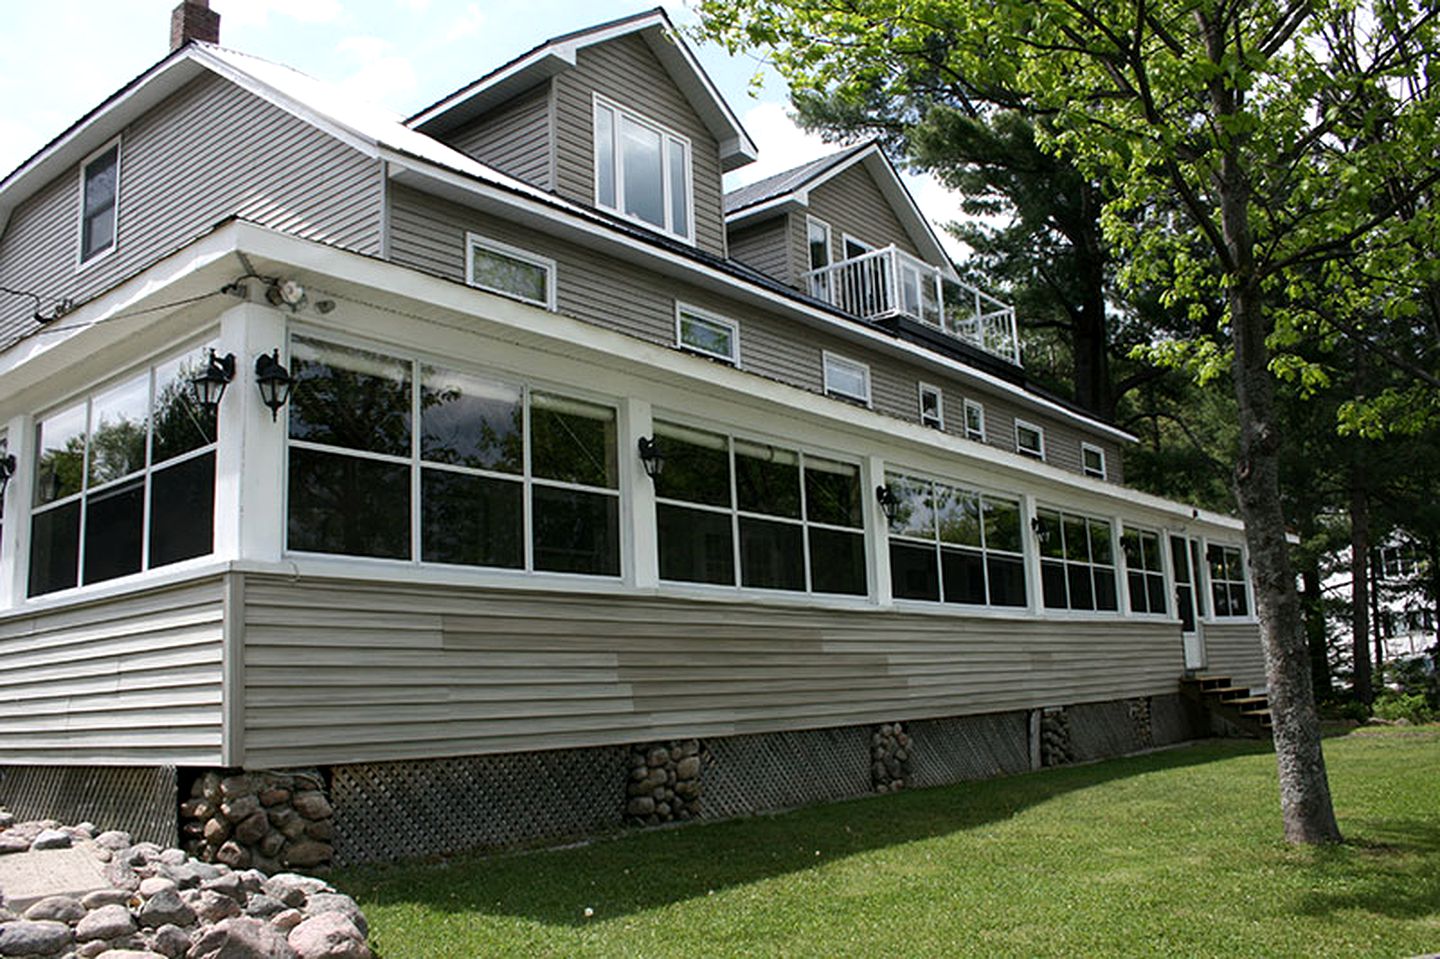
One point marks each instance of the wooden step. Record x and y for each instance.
(1227, 693)
(1249, 702)
(1210, 681)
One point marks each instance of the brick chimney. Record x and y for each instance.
(193, 20)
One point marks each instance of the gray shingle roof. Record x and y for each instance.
(781, 184)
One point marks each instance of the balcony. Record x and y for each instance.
(890, 282)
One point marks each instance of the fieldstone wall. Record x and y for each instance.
(890, 762)
(664, 783)
(266, 820)
(1055, 743)
(1140, 717)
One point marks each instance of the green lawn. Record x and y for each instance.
(1172, 854)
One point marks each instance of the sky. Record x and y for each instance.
(62, 59)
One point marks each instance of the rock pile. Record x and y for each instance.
(890, 758)
(1055, 747)
(664, 782)
(266, 820)
(163, 904)
(1140, 717)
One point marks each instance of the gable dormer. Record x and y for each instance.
(620, 117)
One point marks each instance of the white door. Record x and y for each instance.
(1183, 554)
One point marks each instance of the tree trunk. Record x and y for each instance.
(1312, 602)
(1360, 586)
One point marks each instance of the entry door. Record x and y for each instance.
(1183, 554)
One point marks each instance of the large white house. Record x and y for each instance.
(443, 556)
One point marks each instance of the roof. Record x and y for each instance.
(786, 182)
(559, 54)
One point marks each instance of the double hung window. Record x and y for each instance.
(1077, 561)
(125, 480)
(955, 545)
(642, 170)
(1144, 571)
(505, 476)
(974, 421)
(1029, 440)
(779, 518)
(932, 407)
(1227, 580)
(99, 201)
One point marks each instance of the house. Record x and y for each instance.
(543, 464)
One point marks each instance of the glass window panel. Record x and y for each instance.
(707, 336)
(1082, 593)
(914, 513)
(468, 420)
(964, 576)
(1027, 440)
(1216, 558)
(696, 546)
(605, 156)
(1139, 595)
(847, 378)
(1100, 548)
(1220, 595)
(832, 493)
(1052, 581)
(118, 419)
(114, 531)
(101, 182)
(54, 549)
(1003, 526)
(818, 237)
(641, 171)
(1150, 542)
(1076, 543)
(837, 562)
(1185, 597)
(697, 465)
(60, 469)
(572, 441)
(1051, 542)
(767, 479)
(182, 510)
(1094, 461)
(1105, 595)
(179, 424)
(492, 269)
(347, 505)
(974, 421)
(471, 520)
(349, 397)
(575, 531)
(957, 512)
(772, 555)
(1130, 545)
(1155, 585)
(1179, 560)
(914, 571)
(1239, 603)
(1007, 581)
(679, 193)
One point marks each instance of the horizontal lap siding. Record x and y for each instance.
(134, 680)
(514, 138)
(851, 202)
(376, 671)
(1235, 651)
(210, 151)
(627, 72)
(765, 248)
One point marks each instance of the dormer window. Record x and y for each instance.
(642, 170)
(99, 193)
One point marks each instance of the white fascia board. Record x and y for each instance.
(583, 227)
(498, 87)
(736, 147)
(798, 200)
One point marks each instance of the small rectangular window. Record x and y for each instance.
(1029, 440)
(1092, 460)
(847, 379)
(501, 268)
(974, 421)
(932, 407)
(706, 333)
(99, 196)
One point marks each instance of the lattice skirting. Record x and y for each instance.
(1174, 719)
(1101, 730)
(403, 810)
(749, 774)
(965, 748)
(141, 800)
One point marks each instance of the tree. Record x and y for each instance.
(1271, 157)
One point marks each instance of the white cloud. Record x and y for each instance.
(781, 142)
(381, 76)
(940, 207)
(256, 13)
(467, 24)
(414, 6)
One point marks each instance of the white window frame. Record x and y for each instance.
(1104, 472)
(682, 310)
(939, 422)
(827, 358)
(472, 240)
(81, 261)
(1039, 432)
(1171, 611)
(979, 408)
(847, 239)
(829, 279)
(666, 186)
(1211, 615)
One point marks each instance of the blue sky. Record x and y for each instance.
(62, 59)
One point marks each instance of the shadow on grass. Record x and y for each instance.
(645, 870)
(1388, 867)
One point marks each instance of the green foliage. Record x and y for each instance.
(1411, 707)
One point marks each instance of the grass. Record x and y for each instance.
(1176, 853)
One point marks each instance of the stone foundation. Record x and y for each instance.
(266, 820)
(1055, 744)
(890, 752)
(664, 783)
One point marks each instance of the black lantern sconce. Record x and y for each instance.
(208, 386)
(274, 381)
(650, 457)
(1038, 528)
(889, 503)
(7, 470)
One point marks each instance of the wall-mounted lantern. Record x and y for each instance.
(209, 385)
(274, 382)
(651, 457)
(889, 503)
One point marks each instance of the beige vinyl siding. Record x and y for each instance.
(359, 671)
(513, 138)
(851, 202)
(210, 151)
(428, 234)
(766, 248)
(128, 681)
(1234, 650)
(626, 71)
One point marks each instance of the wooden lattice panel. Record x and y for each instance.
(1102, 730)
(403, 810)
(1174, 719)
(140, 800)
(743, 775)
(966, 748)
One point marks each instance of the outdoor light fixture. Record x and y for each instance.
(1036, 526)
(888, 502)
(274, 381)
(286, 293)
(650, 457)
(209, 385)
(7, 470)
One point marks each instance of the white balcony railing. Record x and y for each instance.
(891, 282)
